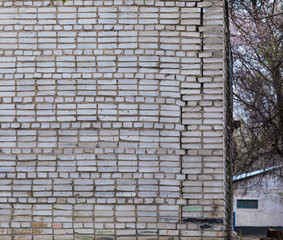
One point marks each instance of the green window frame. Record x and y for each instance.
(247, 203)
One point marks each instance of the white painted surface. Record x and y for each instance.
(269, 194)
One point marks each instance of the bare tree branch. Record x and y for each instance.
(257, 34)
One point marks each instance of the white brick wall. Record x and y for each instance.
(111, 118)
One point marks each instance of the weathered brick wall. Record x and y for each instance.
(111, 120)
(228, 130)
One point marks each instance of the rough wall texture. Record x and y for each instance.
(112, 120)
(228, 129)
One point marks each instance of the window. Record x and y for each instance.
(252, 204)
